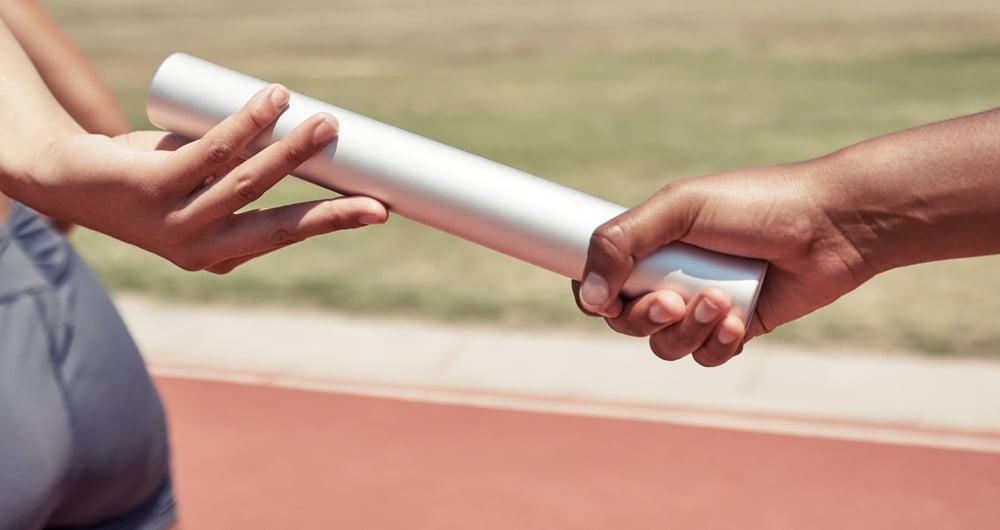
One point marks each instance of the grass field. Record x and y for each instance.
(614, 98)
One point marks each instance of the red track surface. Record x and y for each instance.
(254, 457)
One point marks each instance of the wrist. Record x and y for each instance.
(29, 144)
(923, 194)
(38, 177)
(843, 228)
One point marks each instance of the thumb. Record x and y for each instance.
(619, 243)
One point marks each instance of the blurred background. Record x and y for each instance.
(613, 98)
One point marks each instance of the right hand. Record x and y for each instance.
(182, 200)
(775, 214)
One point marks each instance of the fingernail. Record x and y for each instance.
(324, 131)
(594, 290)
(726, 336)
(706, 311)
(279, 96)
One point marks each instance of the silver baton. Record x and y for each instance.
(499, 207)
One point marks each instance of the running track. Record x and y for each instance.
(259, 457)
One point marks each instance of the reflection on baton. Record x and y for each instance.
(507, 210)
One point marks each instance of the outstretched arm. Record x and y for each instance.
(826, 226)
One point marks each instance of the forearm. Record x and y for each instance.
(825, 226)
(924, 194)
(31, 120)
(63, 68)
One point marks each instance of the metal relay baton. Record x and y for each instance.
(502, 208)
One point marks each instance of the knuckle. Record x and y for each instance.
(260, 116)
(258, 119)
(283, 237)
(341, 219)
(247, 189)
(222, 149)
(608, 238)
(296, 153)
(610, 242)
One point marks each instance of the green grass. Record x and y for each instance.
(615, 98)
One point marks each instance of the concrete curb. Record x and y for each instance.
(876, 397)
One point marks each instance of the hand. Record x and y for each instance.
(775, 214)
(180, 199)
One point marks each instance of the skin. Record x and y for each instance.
(66, 151)
(176, 199)
(826, 226)
(66, 72)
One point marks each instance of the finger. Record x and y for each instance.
(260, 231)
(227, 266)
(609, 263)
(723, 344)
(703, 314)
(247, 181)
(757, 326)
(649, 313)
(228, 139)
(618, 244)
(213, 179)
